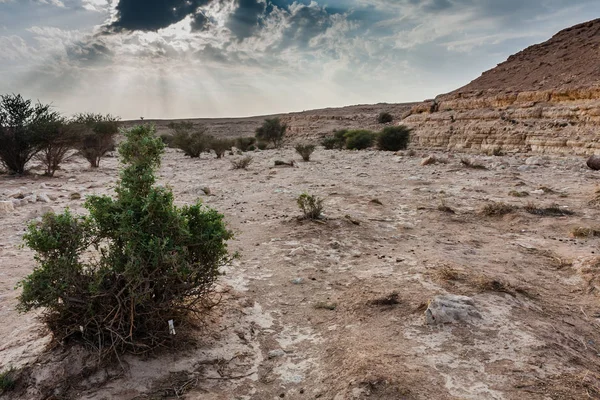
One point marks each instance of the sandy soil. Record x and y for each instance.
(300, 316)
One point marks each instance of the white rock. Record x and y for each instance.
(32, 198)
(299, 250)
(43, 197)
(449, 308)
(535, 161)
(539, 191)
(6, 207)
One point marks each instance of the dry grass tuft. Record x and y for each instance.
(582, 232)
(241, 163)
(553, 210)
(446, 273)
(322, 305)
(497, 209)
(389, 300)
(515, 193)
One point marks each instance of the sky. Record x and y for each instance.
(232, 58)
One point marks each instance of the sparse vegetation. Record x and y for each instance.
(322, 305)
(516, 193)
(311, 206)
(385, 118)
(447, 273)
(443, 207)
(470, 164)
(337, 141)
(8, 379)
(553, 210)
(359, 139)
(154, 262)
(245, 143)
(329, 142)
(389, 300)
(262, 145)
(272, 130)
(220, 146)
(57, 140)
(582, 232)
(242, 163)
(497, 209)
(189, 138)
(22, 125)
(305, 150)
(393, 138)
(96, 135)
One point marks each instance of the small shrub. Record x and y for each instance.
(96, 135)
(390, 300)
(192, 140)
(153, 262)
(496, 209)
(242, 163)
(470, 164)
(515, 193)
(447, 273)
(553, 210)
(393, 138)
(359, 139)
(8, 380)
(272, 130)
(305, 150)
(21, 129)
(167, 139)
(496, 151)
(581, 232)
(57, 140)
(322, 305)
(262, 145)
(311, 206)
(245, 143)
(220, 146)
(385, 118)
(329, 142)
(443, 207)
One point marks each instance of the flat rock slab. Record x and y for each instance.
(449, 308)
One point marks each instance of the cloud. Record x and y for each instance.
(152, 15)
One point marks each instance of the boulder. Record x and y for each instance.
(449, 308)
(428, 160)
(594, 162)
(6, 207)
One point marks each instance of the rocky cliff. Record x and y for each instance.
(544, 99)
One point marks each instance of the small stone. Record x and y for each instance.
(450, 308)
(594, 162)
(72, 179)
(206, 190)
(297, 281)
(32, 198)
(539, 191)
(276, 353)
(43, 197)
(75, 196)
(297, 251)
(356, 254)
(535, 161)
(428, 160)
(524, 168)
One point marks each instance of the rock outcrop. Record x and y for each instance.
(545, 99)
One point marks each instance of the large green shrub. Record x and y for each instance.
(394, 138)
(359, 139)
(192, 140)
(114, 279)
(220, 146)
(245, 143)
(272, 130)
(385, 118)
(21, 129)
(96, 135)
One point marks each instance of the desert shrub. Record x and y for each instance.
(553, 210)
(385, 118)
(115, 279)
(96, 135)
(272, 130)
(329, 142)
(56, 142)
(496, 209)
(584, 232)
(305, 150)
(192, 140)
(220, 146)
(8, 380)
(359, 139)
(516, 193)
(245, 143)
(241, 163)
(21, 127)
(167, 139)
(311, 206)
(262, 145)
(393, 138)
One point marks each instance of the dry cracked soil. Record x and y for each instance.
(335, 309)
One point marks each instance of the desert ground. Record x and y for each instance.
(335, 309)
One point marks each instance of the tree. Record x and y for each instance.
(272, 130)
(96, 135)
(57, 138)
(154, 264)
(192, 140)
(20, 130)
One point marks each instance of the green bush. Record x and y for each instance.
(114, 279)
(192, 140)
(57, 140)
(329, 142)
(393, 138)
(22, 126)
(305, 150)
(311, 206)
(272, 130)
(262, 145)
(385, 118)
(359, 139)
(96, 135)
(245, 143)
(167, 139)
(220, 146)
(8, 380)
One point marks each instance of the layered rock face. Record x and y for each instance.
(545, 99)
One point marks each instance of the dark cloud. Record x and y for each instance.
(90, 53)
(200, 22)
(245, 19)
(151, 15)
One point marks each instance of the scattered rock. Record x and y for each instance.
(32, 198)
(6, 207)
(428, 160)
(299, 250)
(524, 168)
(535, 161)
(449, 308)
(75, 196)
(594, 162)
(297, 281)
(538, 191)
(276, 353)
(206, 190)
(43, 197)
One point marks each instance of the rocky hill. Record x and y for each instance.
(544, 99)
